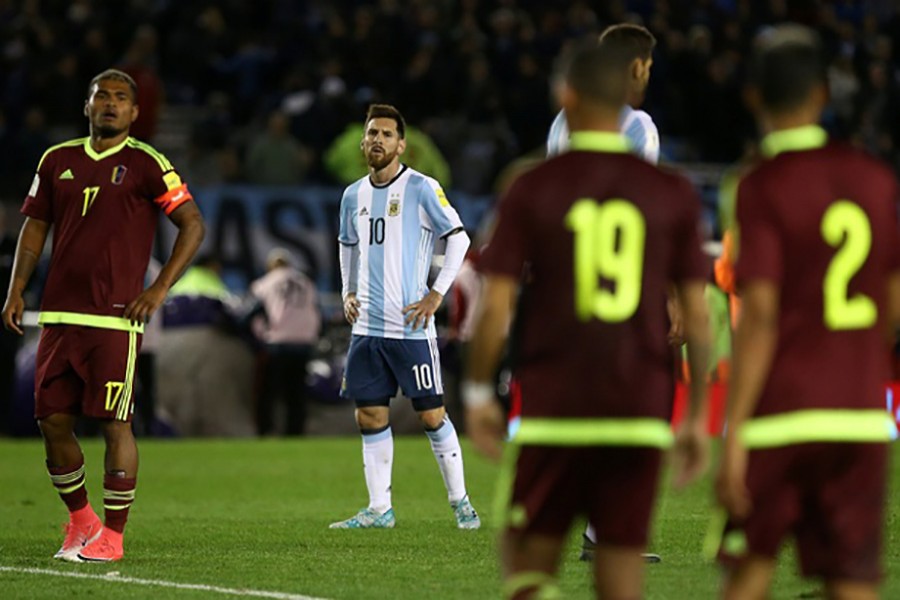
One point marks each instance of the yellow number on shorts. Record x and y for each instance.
(609, 243)
(113, 393)
(845, 226)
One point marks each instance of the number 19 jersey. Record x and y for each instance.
(395, 226)
(603, 234)
(819, 220)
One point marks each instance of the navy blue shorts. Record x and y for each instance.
(377, 366)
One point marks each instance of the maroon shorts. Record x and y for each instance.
(829, 496)
(85, 370)
(614, 487)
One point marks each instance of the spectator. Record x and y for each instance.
(275, 157)
(288, 325)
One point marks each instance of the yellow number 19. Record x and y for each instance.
(609, 244)
(846, 227)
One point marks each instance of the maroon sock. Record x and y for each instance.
(69, 482)
(118, 494)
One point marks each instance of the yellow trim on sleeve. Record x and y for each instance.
(86, 320)
(75, 142)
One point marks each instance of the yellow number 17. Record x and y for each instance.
(90, 194)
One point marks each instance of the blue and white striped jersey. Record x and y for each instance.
(636, 125)
(394, 227)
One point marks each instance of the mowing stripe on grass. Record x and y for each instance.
(115, 578)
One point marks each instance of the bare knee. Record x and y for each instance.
(432, 419)
(372, 417)
(117, 431)
(57, 427)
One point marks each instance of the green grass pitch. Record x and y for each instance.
(255, 514)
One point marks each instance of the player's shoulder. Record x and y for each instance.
(641, 118)
(353, 189)
(148, 153)
(61, 149)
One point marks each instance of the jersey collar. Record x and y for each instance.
(101, 155)
(598, 141)
(808, 137)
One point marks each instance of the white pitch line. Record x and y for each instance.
(113, 577)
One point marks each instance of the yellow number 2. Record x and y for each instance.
(846, 227)
(90, 194)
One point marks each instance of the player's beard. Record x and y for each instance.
(108, 131)
(379, 162)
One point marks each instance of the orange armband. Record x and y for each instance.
(174, 198)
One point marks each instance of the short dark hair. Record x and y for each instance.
(386, 111)
(787, 64)
(628, 37)
(598, 74)
(115, 75)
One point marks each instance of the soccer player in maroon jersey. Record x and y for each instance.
(102, 196)
(817, 271)
(604, 234)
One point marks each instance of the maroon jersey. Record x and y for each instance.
(104, 208)
(822, 224)
(603, 234)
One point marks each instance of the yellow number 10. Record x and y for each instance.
(609, 244)
(846, 227)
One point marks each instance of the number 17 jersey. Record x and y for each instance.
(394, 226)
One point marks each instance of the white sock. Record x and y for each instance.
(590, 533)
(445, 445)
(378, 460)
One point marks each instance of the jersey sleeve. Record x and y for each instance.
(38, 203)
(759, 247)
(164, 185)
(508, 250)
(558, 137)
(644, 137)
(690, 261)
(347, 233)
(442, 217)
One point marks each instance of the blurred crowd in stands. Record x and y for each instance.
(259, 91)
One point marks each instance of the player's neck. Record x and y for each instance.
(594, 118)
(384, 175)
(791, 120)
(101, 144)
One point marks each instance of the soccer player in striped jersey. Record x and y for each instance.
(102, 196)
(389, 221)
(636, 125)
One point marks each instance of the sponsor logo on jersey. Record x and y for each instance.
(118, 174)
(172, 180)
(442, 197)
(363, 212)
(67, 174)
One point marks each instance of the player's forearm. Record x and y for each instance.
(754, 349)
(457, 246)
(191, 231)
(28, 254)
(349, 260)
(491, 330)
(698, 339)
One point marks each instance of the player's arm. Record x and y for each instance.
(754, 348)
(894, 304)
(457, 245)
(191, 230)
(28, 253)
(484, 418)
(691, 448)
(348, 256)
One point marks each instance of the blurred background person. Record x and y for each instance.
(287, 323)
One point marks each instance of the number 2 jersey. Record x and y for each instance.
(603, 234)
(104, 208)
(394, 227)
(819, 220)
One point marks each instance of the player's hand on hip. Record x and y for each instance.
(424, 309)
(486, 427)
(731, 480)
(141, 308)
(676, 321)
(691, 453)
(12, 313)
(351, 308)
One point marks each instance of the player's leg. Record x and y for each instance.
(529, 564)
(370, 384)
(851, 590)
(109, 398)
(618, 572)
(417, 366)
(58, 393)
(749, 579)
